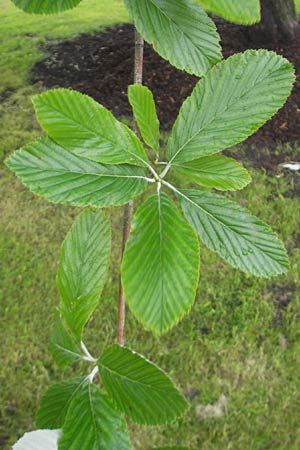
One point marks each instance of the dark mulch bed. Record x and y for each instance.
(101, 66)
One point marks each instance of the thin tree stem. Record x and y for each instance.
(139, 58)
(138, 79)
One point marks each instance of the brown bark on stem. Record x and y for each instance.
(122, 307)
(138, 79)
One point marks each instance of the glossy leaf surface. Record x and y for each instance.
(92, 423)
(216, 171)
(61, 177)
(230, 103)
(238, 11)
(143, 105)
(79, 124)
(55, 403)
(161, 264)
(228, 229)
(45, 6)
(64, 345)
(139, 388)
(82, 268)
(180, 31)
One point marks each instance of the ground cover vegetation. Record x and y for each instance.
(280, 340)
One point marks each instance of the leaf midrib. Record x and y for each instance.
(207, 125)
(124, 377)
(83, 256)
(221, 223)
(96, 430)
(180, 30)
(160, 218)
(93, 132)
(75, 172)
(65, 350)
(66, 407)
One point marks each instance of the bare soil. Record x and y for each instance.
(101, 65)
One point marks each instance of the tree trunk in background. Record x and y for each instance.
(278, 16)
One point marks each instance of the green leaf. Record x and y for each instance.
(235, 98)
(65, 347)
(180, 31)
(82, 126)
(244, 12)
(216, 171)
(92, 423)
(82, 268)
(61, 177)
(38, 440)
(228, 229)
(161, 265)
(143, 105)
(139, 388)
(45, 6)
(55, 403)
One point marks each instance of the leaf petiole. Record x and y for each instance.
(166, 170)
(92, 375)
(87, 356)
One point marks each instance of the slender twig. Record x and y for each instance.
(139, 58)
(138, 79)
(126, 230)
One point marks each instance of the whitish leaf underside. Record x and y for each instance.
(38, 440)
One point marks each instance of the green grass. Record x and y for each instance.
(21, 35)
(239, 341)
(242, 338)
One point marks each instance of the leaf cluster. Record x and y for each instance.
(241, 11)
(90, 417)
(92, 160)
